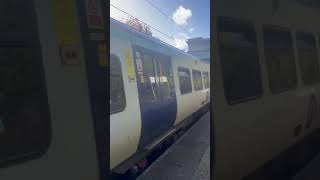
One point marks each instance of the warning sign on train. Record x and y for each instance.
(130, 65)
(103, 57)
(139, 65)
(142, 78)
(94, 14)
(1, 126)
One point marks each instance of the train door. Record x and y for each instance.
(156, 94)
(93, 30)
(166, 90)
(309, 68)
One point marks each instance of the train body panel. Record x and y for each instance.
(72, 146)
(126, 124)
(189, 102)
(253, 130)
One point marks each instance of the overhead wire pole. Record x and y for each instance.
(172, 29)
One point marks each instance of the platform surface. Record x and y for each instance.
(186, 159)
(310, 171)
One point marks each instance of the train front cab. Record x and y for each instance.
(266, 79)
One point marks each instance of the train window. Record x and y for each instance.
(206, 80)
(279, 59)
(25, 126)
(308, 57)
(197, 80)
(117, 94)
(184, 80)
(166, 76)
(24, 113)
(240, 60)
(149, 92)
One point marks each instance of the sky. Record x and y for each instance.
(185, 18)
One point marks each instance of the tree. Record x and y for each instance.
(138, 25)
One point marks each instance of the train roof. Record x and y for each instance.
(114, 22)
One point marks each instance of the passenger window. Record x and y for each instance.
(166, 76)
(197, 80)
(308, 57)
(279, 59)
(239, 59)
(25, 129)
(25, 126)
(117, 94)
(206, 80)
(184, 80)
(149, 92)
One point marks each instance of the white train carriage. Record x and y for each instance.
(266, 79)
(154, 88)
(49, 120)
(54, 115)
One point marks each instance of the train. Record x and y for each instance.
(54, 106)
(265, 74)
(55, 117)
(155, 89)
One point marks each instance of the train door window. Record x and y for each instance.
(240, 60)
(117, 94)
(197, 80)
(308, 57)
(184, 80)
(24, 112)
(150, 78)
(25, 127)
(206, 80)
(166, 76)
(279, 59)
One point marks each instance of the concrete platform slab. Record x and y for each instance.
(187, 159)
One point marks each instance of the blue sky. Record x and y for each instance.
(191, 18)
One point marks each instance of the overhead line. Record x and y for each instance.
(142, 21)
(156, 7)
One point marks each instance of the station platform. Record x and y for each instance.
(310, 171)
(186, 159)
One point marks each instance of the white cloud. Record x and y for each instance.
(180, 41)
(191, 30)
(181, 16)
(180, 44)
(183, 35)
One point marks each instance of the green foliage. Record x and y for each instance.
(138, 25)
